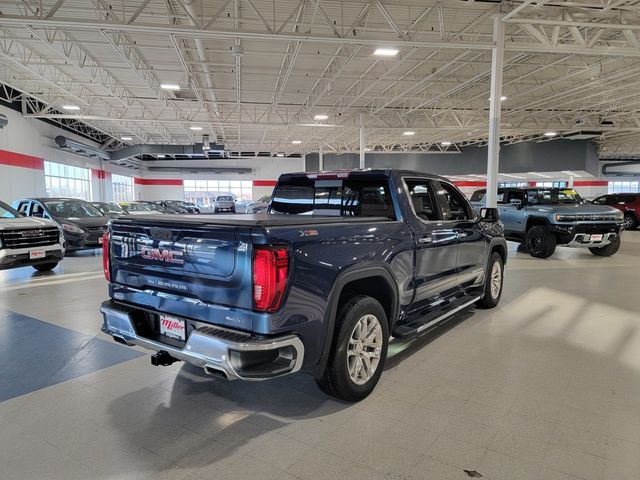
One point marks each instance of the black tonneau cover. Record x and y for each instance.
(241, 220)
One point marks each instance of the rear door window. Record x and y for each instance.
(423, 199)
(452, 203)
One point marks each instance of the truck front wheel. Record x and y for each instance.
(540, 242)
(493, 282)
(607, 250)
(45, 267)
(358, 352)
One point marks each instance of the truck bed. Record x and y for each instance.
(242, 220)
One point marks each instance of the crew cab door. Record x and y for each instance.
(436, 244)
(512, 214)
(458, 216)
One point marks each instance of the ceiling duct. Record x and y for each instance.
(239, 170)
(607, 169)
(581, 135)
(81, 148)
(194, 150)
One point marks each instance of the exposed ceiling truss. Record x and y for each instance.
(255, 74)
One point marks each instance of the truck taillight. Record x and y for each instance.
(105, 256)
(270, 272)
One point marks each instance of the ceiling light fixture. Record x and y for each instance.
(321, 116)
(70, 107)
(503, 98)
(126, 139)
(550, 134)
(296, 142)
(196, 129)
(161, 156)
(408, 133)
(386, 52)
(445, 144)
(169, 86)
(279, 154)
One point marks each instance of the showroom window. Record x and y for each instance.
(624, 187)
(512, 184)
(203, 192)
(552, 184)
(67, 181)
(122, 188)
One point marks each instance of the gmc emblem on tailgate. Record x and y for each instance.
(160, 255)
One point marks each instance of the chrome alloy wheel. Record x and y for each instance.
(363, 352)
(496, 280)
(628, 222)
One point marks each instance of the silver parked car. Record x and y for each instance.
(224, 203)
(254, 206)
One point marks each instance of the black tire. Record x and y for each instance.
(490, 298)
(45, 267)
(630, 221)
(607, 250)
(540, 242)
(336, 381)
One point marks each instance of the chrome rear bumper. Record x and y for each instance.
(221, 352)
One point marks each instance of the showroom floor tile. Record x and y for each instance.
(546, 386)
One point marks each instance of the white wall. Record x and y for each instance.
(32, 137)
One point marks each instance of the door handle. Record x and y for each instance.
(425, 240)
(462, 234)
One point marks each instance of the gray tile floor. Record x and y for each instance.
(546, 386)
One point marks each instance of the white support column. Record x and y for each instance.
(362, 140)
(493, 151)
(304, 162)
(320, 159)
(571, 181)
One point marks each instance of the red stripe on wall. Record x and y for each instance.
(264, 183)
(590, 183)
(100, 174)
(158, 181)
(13, 159)
(470, 184)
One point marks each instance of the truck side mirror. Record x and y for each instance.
(489, 214)
(516, 202)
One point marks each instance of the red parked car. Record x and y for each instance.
(629, 203)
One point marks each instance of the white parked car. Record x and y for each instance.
(29, 241)
(224, 203)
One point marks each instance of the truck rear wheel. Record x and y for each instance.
(540, 242)
(359, 351)
(45, 267)
(607, 250)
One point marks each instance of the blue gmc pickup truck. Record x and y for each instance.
(339, 264)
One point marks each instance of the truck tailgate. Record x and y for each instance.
(209, 264)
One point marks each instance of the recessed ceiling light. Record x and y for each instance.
(169, 86)
(161, 156)
(196, 129)
(367, 149)
(408, 133)
(446, 144)
(126, 139)
(503, 98)
(296, 142)
(321, 117)
(71, 107)
(386, 52)
(279, 154)
(550, 134)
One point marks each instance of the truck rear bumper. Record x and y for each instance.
(221, 352)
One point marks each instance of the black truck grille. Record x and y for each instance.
(31, 237)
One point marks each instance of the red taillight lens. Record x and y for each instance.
(270, 272)
(105, 256)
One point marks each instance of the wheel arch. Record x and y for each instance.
(357, 281)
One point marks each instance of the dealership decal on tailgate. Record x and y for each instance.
(172, 327)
